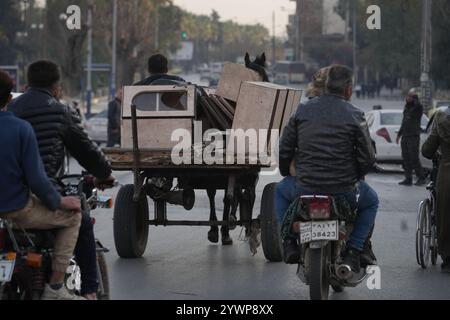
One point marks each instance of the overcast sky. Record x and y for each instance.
(245, 11)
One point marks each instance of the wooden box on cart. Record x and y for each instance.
(160, 110)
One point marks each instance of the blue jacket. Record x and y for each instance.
(21, 168)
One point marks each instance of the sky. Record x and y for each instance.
(245, 11)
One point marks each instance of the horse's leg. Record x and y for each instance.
(234, 207)
(213, 234)
(226, 239)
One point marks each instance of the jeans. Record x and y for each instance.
(85, 252)
(366, 204)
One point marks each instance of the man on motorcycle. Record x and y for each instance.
(330, 142)
(58, 128)
(28, 198)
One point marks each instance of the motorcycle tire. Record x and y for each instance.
(319, 286)
(270, 228)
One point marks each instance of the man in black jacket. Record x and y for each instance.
(158, 68)
(57, 128)
(329, 139)
(410, 140)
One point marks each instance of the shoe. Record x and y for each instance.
(61, 294)
(291, 251)
(421, 182)
(406, 182)
(367, 256)
(352, 258)
(445, 267)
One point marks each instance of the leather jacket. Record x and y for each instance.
(329, 139)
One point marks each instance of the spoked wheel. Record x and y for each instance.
(424, 234)
(319, 285)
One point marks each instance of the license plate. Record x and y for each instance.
(318, 230)
(6, 270)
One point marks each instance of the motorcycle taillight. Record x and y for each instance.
(320, 208)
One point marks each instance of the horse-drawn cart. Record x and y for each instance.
(158, 119)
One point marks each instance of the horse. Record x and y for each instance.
(231, 206)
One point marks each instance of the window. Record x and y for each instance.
(391, 119)
(370, 119)
(161, 101)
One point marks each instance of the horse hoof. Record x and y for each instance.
(232, 222)
(227, 241)
(213, 236)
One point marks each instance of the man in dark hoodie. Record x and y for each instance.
(158, 68)
(410, 140)
(439, 139)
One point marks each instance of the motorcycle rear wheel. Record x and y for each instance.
(319, 285)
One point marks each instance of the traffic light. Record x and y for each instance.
(184, 35)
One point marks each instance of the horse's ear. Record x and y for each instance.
(263, 57)
(247, 58)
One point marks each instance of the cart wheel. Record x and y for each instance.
(270, 229)
(130, 223)
(423, 234)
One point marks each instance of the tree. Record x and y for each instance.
(10, 24)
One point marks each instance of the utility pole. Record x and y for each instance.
(347, 20)
(114, 52)
(298, 33)
(274, 47)
(89, 62)
(355, 67)
(426, 54)
(157, 27)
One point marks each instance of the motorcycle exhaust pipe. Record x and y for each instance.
(344, 272)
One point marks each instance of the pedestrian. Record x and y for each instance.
(409, 135)
(114, 116)
(439, 139)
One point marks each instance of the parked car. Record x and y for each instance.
(384, 126)
(97, 127)
(288, 71)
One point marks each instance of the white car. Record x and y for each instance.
(384, 126)
(97, 127)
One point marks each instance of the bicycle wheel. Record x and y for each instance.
(423, 234)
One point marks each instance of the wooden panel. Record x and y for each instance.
(154, 133)
(280, 108)
(231, 78)
(293, 101)
(130, 92)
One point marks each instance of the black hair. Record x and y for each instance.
(6, 86)
(43, 74)
(339, 77)
(158, 64)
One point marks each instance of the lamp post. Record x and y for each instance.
(426, 54)
(114, 52)
(89, 63)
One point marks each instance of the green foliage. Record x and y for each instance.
(10, 24)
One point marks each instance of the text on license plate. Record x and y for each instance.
(6, 270)
(318, 230)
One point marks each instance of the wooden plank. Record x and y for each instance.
(280, 108)
(224, 124)
(293, 100)
(222, 108)
(154, 133)
(231, 78)
(225, 102)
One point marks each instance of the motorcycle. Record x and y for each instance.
(26, 255)
(322, 228)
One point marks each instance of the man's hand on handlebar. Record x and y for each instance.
(107, 183)
(70, 204)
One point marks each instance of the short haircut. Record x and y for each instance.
(43, 74)
(339, 77)
(158, 64)
(6, 86)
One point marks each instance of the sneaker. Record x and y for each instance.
(421, 182)
(61, 294)
(291, 251)
(352, 258)
(406, 182)
(367, 256)
(445, 267)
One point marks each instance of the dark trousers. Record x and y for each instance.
(113, 139)
(86, 255)
(410, 154)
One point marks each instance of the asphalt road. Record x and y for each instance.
(180, 263)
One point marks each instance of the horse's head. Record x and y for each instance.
(258, 65)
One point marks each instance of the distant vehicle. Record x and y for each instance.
(290, 71)
(97, 127)
(384, 126)
(440, 104)
(204, 71)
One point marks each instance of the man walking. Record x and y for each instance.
(409, 135)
